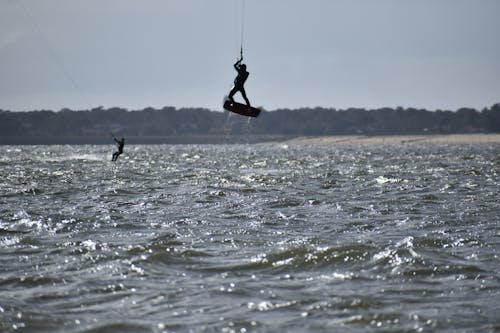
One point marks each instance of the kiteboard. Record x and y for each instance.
(242, 109)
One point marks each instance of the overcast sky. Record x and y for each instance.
(79, 54)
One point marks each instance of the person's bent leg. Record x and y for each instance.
(231, 93)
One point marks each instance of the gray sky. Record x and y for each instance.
(434, 54)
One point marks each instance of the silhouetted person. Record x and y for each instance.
(239, 81)
(120, 143)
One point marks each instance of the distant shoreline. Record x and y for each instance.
(259, 139)
(397, 139)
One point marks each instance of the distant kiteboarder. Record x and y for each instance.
(120, 143)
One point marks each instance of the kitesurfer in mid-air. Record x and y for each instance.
(120, 143)
(239, 81)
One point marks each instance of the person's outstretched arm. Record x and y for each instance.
(237, 64)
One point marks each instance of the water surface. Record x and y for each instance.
(250, 238)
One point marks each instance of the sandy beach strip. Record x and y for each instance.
(398, 139)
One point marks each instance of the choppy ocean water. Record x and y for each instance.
(250, 238)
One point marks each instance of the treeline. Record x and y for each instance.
(188, 122)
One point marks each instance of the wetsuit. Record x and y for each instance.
(239, 81)
(120, 144)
